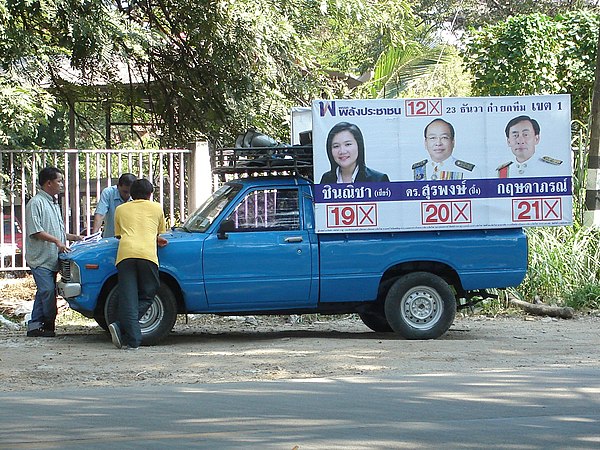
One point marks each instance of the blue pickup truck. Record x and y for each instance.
(251, 248)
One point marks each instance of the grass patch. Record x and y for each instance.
(71, 317)
(564, 266)
(586, 297)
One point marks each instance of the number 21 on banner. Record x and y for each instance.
(537, 209)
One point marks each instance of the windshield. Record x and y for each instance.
(204, 216)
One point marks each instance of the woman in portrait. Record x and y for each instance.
(346, 153)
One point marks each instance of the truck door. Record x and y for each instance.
(265, 261)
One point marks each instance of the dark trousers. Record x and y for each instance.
(44, 311)
(138, 283)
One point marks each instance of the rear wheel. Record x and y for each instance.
(420, 305)
(375, 319)
(373, 314)
(158, 321)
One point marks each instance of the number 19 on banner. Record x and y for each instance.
(352, 215)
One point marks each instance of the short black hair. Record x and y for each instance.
(516, 120)
(141, 189)
(127, 179)
(443, 121)
(48, 174)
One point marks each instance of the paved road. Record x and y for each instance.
(503, 409)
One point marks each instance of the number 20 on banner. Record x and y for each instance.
(446, 212)
(352, 215)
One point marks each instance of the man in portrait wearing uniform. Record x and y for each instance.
(522, 136)
(439, 143)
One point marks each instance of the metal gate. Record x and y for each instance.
(174, 173)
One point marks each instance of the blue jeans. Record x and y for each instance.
(138, 283)
(43, 314)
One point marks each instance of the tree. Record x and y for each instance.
(536, 54)
(474, 14)
(446, 79)
(23, 109)
(203, 68)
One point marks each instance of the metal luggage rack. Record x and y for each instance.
(256, 161)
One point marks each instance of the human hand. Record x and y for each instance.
(161, 241)
(63, 247)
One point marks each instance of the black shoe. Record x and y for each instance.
(40, 332)
(115, 334)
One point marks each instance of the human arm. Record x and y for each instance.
(44, 236)
(98, 220)
(101, 209)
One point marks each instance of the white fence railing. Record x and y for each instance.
(181, 179)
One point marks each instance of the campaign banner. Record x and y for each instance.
(442, 163)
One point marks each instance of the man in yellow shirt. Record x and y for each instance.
(138, 224)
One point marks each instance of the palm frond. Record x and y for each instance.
(397, 66)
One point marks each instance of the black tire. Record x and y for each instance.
(373, 314)
(420, 305)
(158, 321)
(101, 321)
(375, 319)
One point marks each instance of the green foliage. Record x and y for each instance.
(577, 59)
(204, 68)
(585, 297)
(397, 67)
(470, 14)
(536, 54)
(355, 33)
(561, 261)
(515, 57)
(22, 110)
(446, 79)
(580, 147)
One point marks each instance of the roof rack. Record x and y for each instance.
(261, 161)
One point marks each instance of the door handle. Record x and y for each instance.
(294, 239)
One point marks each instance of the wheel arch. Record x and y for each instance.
(170, 281)
(164, 278)
(442, 270)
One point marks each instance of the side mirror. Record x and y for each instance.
(225, 227)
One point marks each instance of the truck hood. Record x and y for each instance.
(184, 249)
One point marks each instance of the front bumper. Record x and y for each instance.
(68, 290)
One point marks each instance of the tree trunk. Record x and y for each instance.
(544, 310)
(592, 197)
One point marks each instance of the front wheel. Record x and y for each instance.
(420, 305)
(159, 319)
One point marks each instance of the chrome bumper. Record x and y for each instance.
(68, 290)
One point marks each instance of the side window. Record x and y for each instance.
(267, 209)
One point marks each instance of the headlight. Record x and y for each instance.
(69, 271)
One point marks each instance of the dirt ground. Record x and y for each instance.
(208, 349)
